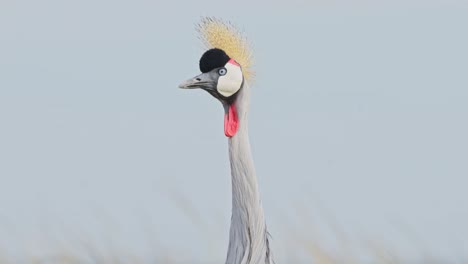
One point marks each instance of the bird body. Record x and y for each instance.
(248, 238)
(226, 71)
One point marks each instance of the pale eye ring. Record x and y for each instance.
(222, 71)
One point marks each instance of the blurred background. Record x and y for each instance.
(358, 127)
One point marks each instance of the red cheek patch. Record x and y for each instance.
(231, 122)
(233, 62)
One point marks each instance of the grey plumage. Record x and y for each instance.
(248, 239)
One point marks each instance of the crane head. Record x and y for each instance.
(225, 66)
(221, 76)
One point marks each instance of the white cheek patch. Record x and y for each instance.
(230, 83)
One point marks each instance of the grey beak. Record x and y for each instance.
(200, 81)
(189, 84)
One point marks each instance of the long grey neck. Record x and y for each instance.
(248, 238)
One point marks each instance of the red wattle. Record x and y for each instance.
(231, 123)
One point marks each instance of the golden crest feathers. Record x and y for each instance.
(215, 33)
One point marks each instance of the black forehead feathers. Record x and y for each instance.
(212, 59)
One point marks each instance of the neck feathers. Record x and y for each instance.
(248, 240)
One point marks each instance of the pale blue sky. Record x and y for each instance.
(358, 116)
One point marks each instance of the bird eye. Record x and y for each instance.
(222, 71)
